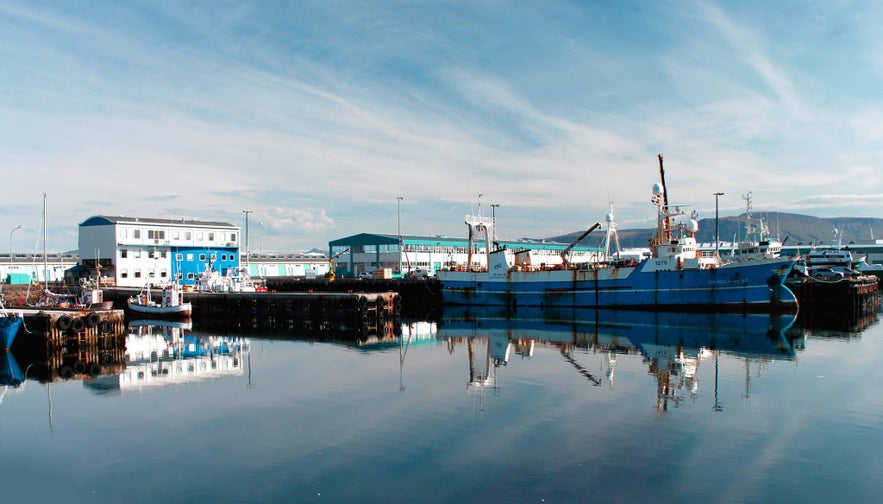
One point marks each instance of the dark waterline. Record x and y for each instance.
(610, 406)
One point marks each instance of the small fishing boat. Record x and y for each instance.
(9, 326)
(92, 297)
(172, 303)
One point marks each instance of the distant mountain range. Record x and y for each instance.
(797, 229)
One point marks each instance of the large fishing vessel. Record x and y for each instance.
(674, 277)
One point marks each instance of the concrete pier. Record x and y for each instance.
(62, 344)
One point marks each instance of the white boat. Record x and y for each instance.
(236, 280)
(172, 303)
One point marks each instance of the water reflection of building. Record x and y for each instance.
(160, 353)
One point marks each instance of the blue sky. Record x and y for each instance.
(316, 116)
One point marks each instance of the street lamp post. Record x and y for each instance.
(246, 212)
(717, 238)
(399, 228)
(16, 228)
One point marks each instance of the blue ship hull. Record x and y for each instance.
(9, 326)
(753, 286)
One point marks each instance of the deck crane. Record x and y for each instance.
(331, 264)
(565, 260)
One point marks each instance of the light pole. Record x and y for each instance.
(246, 212)
(717, 238)
(16, 228)
(399, 228)
(494, 224)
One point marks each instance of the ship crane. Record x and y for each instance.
(565, 259)
(331, 264)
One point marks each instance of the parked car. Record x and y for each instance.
(365, 274)
(827, 274)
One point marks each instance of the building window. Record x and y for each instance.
(124, 273)
(163, 274)
(211, 237)
(137, 273)
(124, 253)
(156, 234)
(188, 235)
(176, 235)
(232, 237)
(201, 257)
(179, 257)
(214, 257)
(136, 233)
(124, 233)
(199, 236)
(190, 276)
(190, 257)
(223, 257)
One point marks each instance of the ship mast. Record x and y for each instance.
(666, 219)
(749, 228)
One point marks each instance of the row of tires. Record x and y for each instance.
(79, 324)
(79, 368)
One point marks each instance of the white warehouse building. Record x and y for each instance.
(134, 251)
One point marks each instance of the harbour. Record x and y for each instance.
(566, 399)
(387, 252)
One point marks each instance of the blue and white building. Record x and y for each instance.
(135, 251)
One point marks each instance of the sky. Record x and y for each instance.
(316, 117)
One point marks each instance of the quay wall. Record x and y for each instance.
(421, 297)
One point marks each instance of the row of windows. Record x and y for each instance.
(160, 234)
(163, 274)
(373, 249)
(139, 253)
(179, 257)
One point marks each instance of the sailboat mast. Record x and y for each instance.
(45, 259)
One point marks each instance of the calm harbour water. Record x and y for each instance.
(613, 407)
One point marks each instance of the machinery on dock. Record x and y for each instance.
(331, 264)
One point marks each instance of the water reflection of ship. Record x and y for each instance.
(10, 374)
(672, 344)
(160, 353)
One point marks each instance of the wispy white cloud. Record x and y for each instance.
(314, 115)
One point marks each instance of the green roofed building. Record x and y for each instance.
(366, 253)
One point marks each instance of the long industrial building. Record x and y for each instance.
(366, 253)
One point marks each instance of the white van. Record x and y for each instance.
(421, 273)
